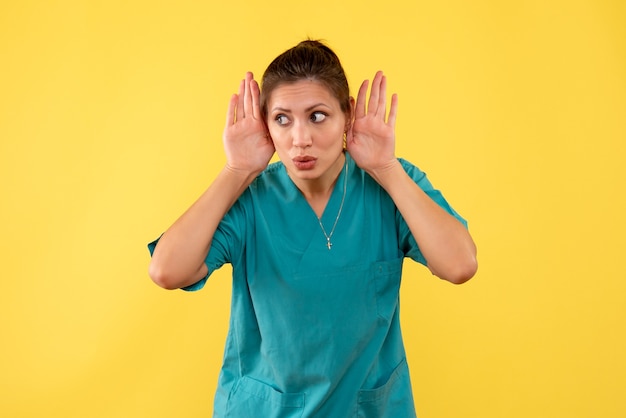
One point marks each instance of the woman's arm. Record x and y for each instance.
(445, 243)
(178, 259)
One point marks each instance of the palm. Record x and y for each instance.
(371, 139)
(246, 142)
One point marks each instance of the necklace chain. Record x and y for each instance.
(343, 197)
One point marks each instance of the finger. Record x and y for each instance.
(359, 110)
(240, 111)
(255, 91)
(230, 115)
(372, 105)
(247, 96)
(393, 111)
(382, 99)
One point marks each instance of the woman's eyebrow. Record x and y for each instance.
(308, 109)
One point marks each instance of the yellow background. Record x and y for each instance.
(111, 115)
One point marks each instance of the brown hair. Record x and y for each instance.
(309, 60)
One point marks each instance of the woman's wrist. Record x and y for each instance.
(387, 174)
(242, 174)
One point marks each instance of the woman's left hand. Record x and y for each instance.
(371, 137)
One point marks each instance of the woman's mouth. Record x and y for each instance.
(304, 162)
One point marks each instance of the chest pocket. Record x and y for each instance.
(252, 398)
(387, 276)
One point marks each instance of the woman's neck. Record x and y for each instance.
(318, 191)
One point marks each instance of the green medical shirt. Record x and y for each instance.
(315, 332)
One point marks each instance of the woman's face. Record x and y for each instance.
(307, 125)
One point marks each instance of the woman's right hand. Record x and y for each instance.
(247, 143)
(179, 257)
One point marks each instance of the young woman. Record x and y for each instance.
(316, 242)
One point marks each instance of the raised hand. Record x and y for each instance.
(247, 143)
(371, 138)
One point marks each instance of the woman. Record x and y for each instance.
(316, 242)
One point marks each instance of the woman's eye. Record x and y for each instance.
(318, 116)
(281, 119)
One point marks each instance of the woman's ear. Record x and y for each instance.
(350, 117)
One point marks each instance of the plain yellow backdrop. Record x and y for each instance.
(111, 115)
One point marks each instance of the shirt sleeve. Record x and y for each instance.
(227, 241)
(407, 242)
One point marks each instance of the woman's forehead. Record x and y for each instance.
(300, 94)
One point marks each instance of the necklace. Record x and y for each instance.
(343, 197)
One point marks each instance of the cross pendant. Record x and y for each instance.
(328, 243)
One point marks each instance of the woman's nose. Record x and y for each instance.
(301, 136)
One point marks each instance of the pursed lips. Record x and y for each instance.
(304, 162)
(303, 158)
